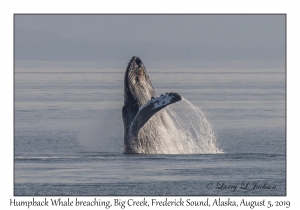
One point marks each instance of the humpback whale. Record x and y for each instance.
(140, 105)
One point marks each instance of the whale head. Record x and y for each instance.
(137, 85)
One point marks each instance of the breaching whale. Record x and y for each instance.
(140, 104)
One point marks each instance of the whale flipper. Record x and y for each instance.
(150, 108)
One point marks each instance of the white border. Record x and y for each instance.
(8, 8)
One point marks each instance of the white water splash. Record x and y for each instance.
(180, 128)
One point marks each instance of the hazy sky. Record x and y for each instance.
(154, 37)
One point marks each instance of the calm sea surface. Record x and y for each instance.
(69, 133)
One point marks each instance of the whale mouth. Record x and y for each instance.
(138, 87)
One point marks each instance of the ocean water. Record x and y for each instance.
(68, 132)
